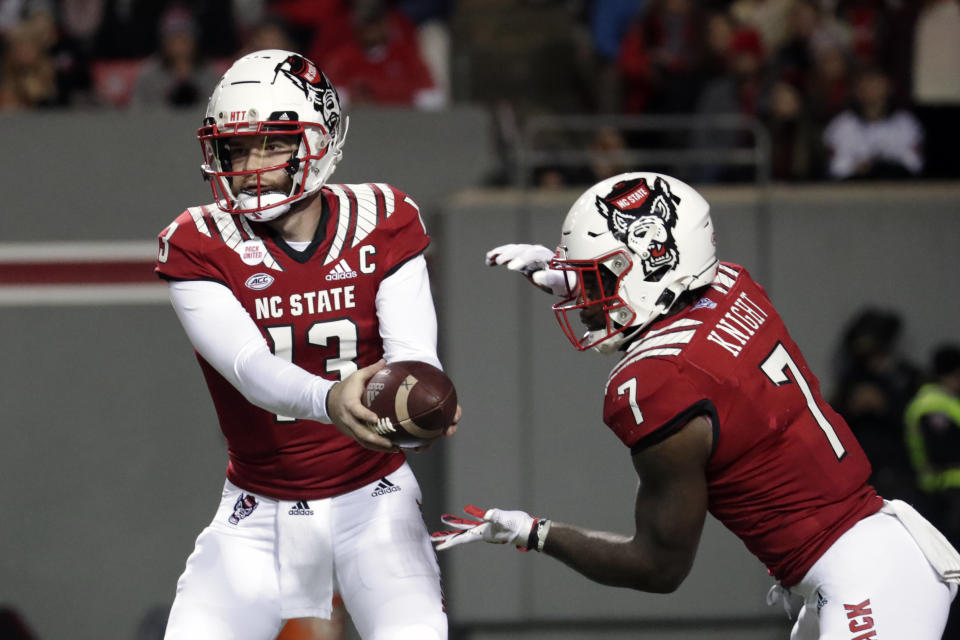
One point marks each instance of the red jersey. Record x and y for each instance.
(316, 308)
(786, 474)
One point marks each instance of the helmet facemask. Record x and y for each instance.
(263, 198)
(595, 315)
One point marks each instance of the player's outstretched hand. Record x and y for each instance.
(493, 525)
(346, 410)
(533, 261)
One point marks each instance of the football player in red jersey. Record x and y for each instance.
(721, 414)
(293, 292)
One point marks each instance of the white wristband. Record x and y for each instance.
(543, 528)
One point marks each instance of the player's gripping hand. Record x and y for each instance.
(533, 261)
(347, 413)
(493, 525)
(449, 431)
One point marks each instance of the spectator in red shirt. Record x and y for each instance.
(660, 58)
(382, 64)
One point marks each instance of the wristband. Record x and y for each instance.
(538, 534)
(543, 528)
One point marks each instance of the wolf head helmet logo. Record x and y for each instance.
(244, 506)
(315, 87)
(644, 219)
(634, 243)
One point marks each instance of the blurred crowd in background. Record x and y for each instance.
(169, 53)
(905, 411)
(846, 89)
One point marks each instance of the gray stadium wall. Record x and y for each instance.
(111, 461)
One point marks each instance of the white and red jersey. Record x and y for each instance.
(786, 474)
(316, 308)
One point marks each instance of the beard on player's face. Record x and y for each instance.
(593, 317)
(271, 182)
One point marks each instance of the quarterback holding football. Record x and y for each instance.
(720, 413)
(293, 293)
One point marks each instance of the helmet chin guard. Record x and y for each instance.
(634, 242)
(272, 93)
(262, 208)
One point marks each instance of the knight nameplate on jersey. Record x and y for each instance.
(738, 325)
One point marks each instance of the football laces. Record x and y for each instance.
(383, 427)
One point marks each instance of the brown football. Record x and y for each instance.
(415, 402)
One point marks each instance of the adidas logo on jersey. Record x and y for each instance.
(384, 487)
(341, 271)
(302, 508)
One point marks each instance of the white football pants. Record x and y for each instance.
(262, 561)
(873, 583)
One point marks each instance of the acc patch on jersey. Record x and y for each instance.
(259, 281)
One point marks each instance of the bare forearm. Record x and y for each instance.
(613, 559)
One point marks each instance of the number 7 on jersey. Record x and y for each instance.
(775, 367)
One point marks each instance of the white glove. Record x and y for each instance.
(494, 525)
(533, 261)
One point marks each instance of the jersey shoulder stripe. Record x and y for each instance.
(725, 279)
(378, 193)
(227, 227)
(233, 230)
(348, 205)
(729, 270)
(199, 220)
(389, 202)
(367, 205)
(666, 341)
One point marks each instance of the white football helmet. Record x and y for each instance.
(280, 93)
(635, 242)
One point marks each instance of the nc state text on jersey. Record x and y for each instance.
(738, 325)
(309, 302)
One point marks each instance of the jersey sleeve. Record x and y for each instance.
(182, 255)
(649, 401)
(403, 233)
